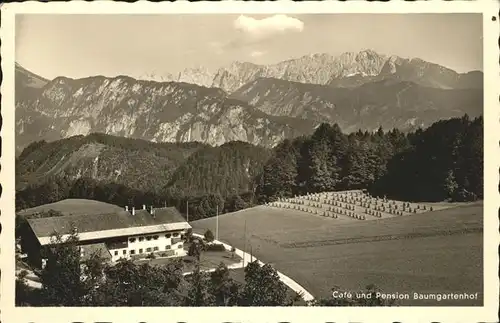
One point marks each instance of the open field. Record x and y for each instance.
(432, 252)
(354, 205)
(74, 207)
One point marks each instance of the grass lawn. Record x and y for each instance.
(433, 252)
(208, 260)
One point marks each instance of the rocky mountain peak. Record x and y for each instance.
(197, 75)
(158, 76)
(320, 68)
(155, 111)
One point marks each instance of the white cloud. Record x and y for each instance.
(268, 26)
(257, 53)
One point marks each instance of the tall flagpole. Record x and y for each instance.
(187, 210)
(217, 224)
(244, 242)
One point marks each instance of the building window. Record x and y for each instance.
(148, 249)
(155, 237)
(116, 253)
(176, 234)
(124, 252)
(155, 248)
(141, 239)
(140, 250)
(180, 246)
(132, 252)
(168, 235)
(132, 240)
(168, 247)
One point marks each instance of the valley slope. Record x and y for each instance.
(191, 169)
(258, 104)
(159, 112)
(389, 103)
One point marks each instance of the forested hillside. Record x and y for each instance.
(140, 164)
(443, 162)
(227, 169)
(126, 171)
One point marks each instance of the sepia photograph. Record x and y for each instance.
(248, 160)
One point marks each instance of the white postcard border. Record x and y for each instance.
(487, 313)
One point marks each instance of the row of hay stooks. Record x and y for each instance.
(353, 204)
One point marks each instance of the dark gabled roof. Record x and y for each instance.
(169, 215)
(45, 227)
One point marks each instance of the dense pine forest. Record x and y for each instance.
(442, 162)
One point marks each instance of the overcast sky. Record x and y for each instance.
(86, 45)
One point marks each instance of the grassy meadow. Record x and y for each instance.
(432, 252)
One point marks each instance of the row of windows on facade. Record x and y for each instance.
(132, 252)
(148, 238)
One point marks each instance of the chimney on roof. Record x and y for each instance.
(144, 206)
(133, 210)
(126, 208)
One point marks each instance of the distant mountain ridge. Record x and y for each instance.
(159, 112)
(430, 74)
(194, 75)
(389, 103)
(27, 78)
(326, 69)
(258, 104)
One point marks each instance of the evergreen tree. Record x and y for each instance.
(449, 184)
(198, 294)
(195, 250)
(61, 277)
(356, 173)
(263, 287)
(279, 174)
(225, 290)
(437, 165)
(209, 236)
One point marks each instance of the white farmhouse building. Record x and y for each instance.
(127, 234)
